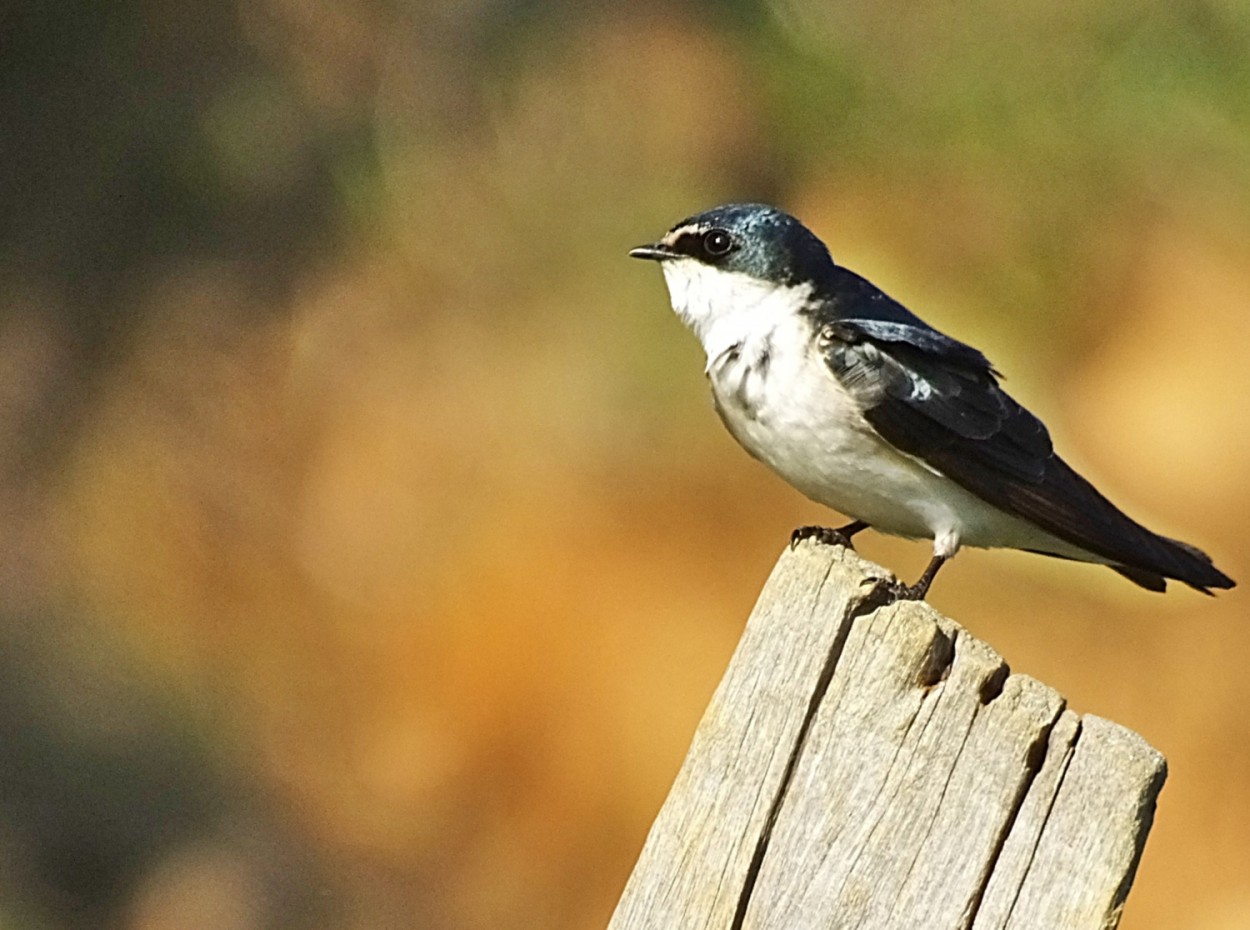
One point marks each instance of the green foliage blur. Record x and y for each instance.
(368, 548)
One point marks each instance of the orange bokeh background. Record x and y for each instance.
(370, 547)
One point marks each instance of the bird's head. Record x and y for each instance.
(732, 257)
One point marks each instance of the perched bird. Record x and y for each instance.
(865, 408)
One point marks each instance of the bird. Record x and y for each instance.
(865, 408)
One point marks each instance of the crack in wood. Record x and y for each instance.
(855, 610)
(1069, 752)
(992, 688)
(1034, 761)
(937, 809)
(876, 807)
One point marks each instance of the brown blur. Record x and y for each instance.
(369, 548)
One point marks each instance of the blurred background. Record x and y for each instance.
(369, 548)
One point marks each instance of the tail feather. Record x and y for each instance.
(1066, 504)
(1185, 563)
(1194, 567)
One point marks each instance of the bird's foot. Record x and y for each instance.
(822, 534)
(830, 537)
(895, 590)
(882, 592)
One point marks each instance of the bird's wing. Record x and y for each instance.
(939, 400)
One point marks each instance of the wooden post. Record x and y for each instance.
(878, 767)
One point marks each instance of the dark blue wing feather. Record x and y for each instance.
(923, 337)
(939, 400)
(927, 395)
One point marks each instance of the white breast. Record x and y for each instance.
(781, 401)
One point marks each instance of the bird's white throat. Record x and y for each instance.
(727, 308)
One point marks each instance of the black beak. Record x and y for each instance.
(656, 253)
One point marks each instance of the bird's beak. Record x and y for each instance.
(657, 252)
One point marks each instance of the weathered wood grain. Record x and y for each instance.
(865, 767)
(1093, 821)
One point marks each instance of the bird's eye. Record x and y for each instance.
(717, 242)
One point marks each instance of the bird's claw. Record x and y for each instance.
(887, 591)
(895, 590)
(822, 534)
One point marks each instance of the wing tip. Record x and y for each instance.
(1151, 581)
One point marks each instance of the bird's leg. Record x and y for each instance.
(917, 591)
(839, 537)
